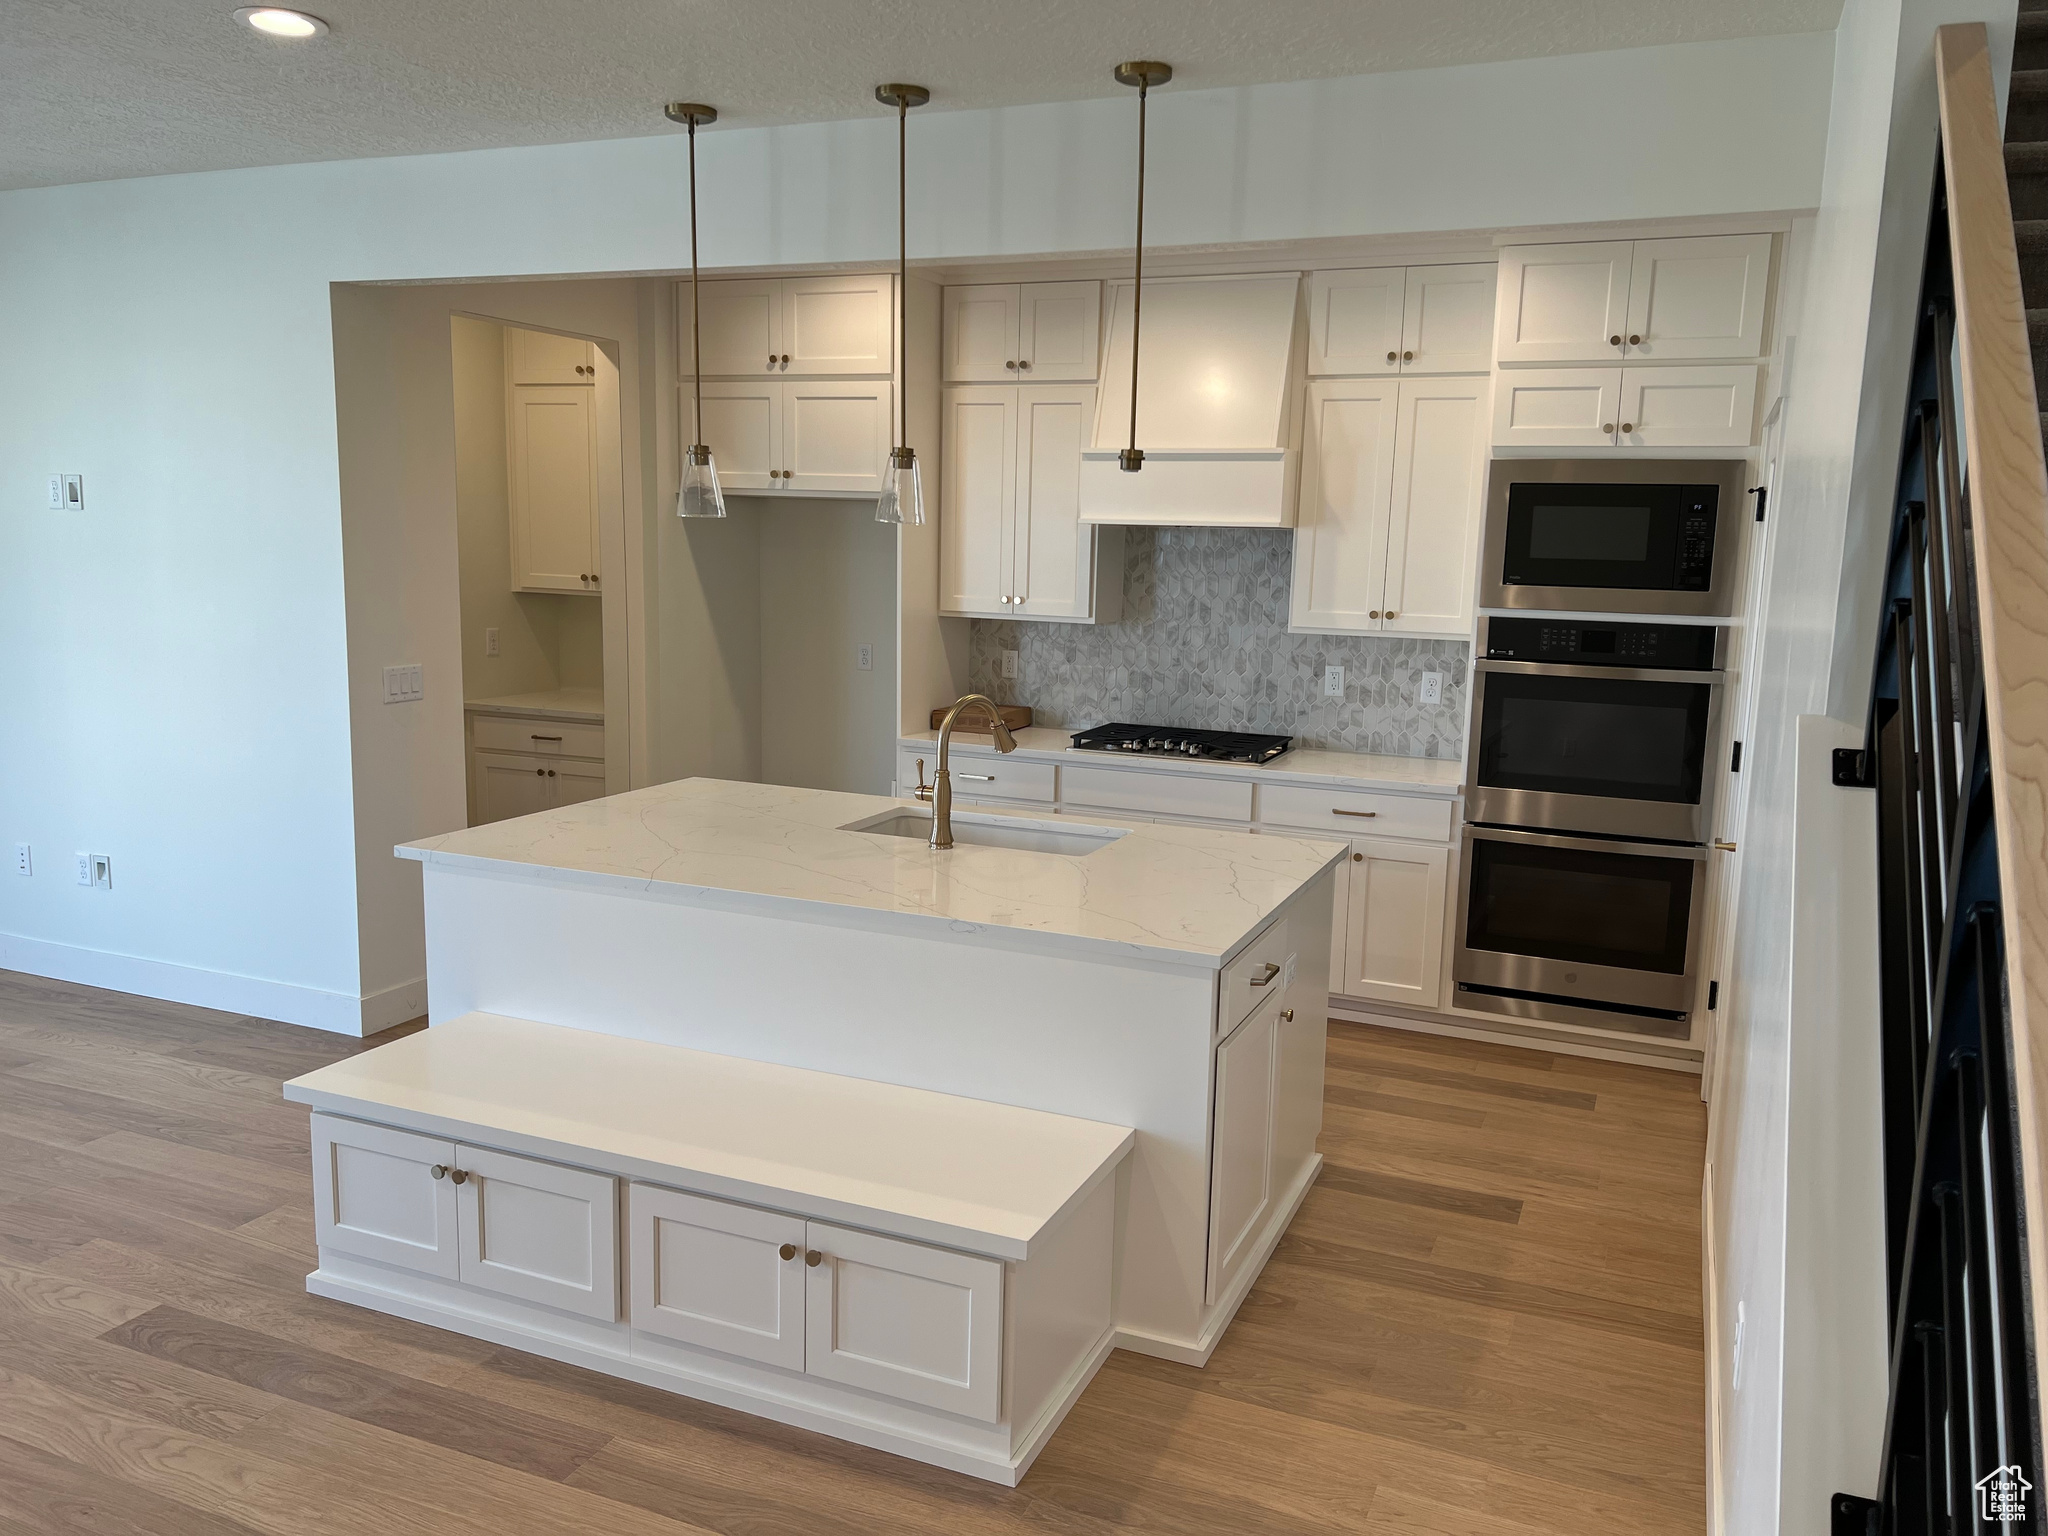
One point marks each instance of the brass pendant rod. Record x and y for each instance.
(903, 263)
(696, 324)
(1138, 267)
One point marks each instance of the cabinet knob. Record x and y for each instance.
(539, 772)
(785, 359)
(1392, 614)
(1628, 426)
(1635, 341)
(814, 1258)
(457, 1176)
(438, 1171)
(788, 1252)
(551, 773)
(1023, 365)
(1358, 858)
(1011, 365)
(771, 359)
(1614, 341)
(1606, 426)
(1390, 357)
(1407, 357)
(1286, 1015)
(1373, 614)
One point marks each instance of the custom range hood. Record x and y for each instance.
(1216, 416)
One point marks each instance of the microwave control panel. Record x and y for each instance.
(1696, 538)
(1571, 642)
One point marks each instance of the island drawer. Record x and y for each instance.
(1258, 973)
(1353, 813)
(529, 733)
(1160, 794)
(983, 776)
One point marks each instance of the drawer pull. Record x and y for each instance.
(538, 737)
(986, 778)
(1338, 810)
(1270, 970)
(788, 1252)
(814, 1258)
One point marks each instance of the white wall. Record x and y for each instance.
(1784, 1057)
(181, 658)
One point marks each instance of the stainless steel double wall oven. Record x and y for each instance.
(1589, 791)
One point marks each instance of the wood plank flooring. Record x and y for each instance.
(1486, 1318)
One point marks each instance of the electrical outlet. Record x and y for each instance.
(1333, 682)
(864, 658)
(490, 642)
(85, 869)
(1287, 972)
(404, 685)
(102, 872)
(1010, 666)
(56, 493)
(23, 863)
(74, 493)
(1432, 691)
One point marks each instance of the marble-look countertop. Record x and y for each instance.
(1351, 770)
(579, 704)
(1193, 895)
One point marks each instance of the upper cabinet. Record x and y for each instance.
(1007, 333)
(1712, 406)
(1380, 320)
(1681, 300)
(819, 327)
(540, 357)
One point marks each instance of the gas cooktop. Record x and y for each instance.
(1180, 741)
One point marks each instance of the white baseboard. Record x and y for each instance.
(1351, 1013)
(339, 1013)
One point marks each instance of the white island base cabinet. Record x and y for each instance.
(964, 1359)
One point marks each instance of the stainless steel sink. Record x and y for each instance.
(993, 832)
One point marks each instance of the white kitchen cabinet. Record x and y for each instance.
(1011, 542)
(541, 357)
(384, 1194)
(538, 1231)
(842, 325)
(1022, 332)
(572, 782)
(919, 1323)
(1704, 407)
(1380, 320)
(802, 436)
(1678, 300)
(1394, 928)
(1241, 1148)
(553, 488)
(729, 1277)
(1387, 532)
(508, 784)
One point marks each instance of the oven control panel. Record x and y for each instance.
(1696, 538)
(1573, 642)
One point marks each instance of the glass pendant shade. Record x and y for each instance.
(700, 495)
(902, 498)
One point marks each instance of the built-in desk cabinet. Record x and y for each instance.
(520, 764)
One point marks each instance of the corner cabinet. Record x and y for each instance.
(1387, 531)
(1011, 541)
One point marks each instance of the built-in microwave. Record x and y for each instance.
(1613, 536)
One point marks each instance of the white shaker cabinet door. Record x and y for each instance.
(1709, 407)
(923, 1324)
(835, 436)
(1698, 298)
(508, 785)
(978, 483)
(384, 1194)
(1340, 537)
(553, 488)
(839, 325)
(1241, 1144)
(1355, 319)
(1447, 319)
(1563, 303)
(538, 1231)
(1556, 407)
(570, 783)
(1059, 332)
(1394, 947)
(729, 1277)
(743, 430)
(1053, 565)
(742, 328)
(981, 334)
(1433, 523)
(541, 357)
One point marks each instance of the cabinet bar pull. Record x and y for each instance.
(1338, 810)
(986, 778)
(788, 1252)
(536, 736)
(1724, 846)
(1269, 971)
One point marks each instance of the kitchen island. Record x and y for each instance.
(1153, 996)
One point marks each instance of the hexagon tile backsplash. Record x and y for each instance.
(1204, 643)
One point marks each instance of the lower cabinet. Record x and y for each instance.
(1241, 1151)
(909, 1321)
(514, 1225)
(1392, 923)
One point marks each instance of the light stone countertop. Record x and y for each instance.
(1191, 895)
(1316, 769)
(579, 704)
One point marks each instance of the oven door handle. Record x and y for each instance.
(1639, 847)
(1624, 674)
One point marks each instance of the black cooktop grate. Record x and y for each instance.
(1182, 741)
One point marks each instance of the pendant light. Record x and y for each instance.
(1144, 74)
(700, 494)
(902, 498)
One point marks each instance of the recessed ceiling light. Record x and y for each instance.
(274, 21)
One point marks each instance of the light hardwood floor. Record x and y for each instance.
(1485, 1319)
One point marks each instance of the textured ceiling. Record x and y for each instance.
(93, 89)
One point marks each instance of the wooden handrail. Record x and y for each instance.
(2008, 508)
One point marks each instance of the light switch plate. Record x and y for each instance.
(1333, 682)
(864, 658)
(74, 493)
(1432, 690)
(404, 685)
(102, 872)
